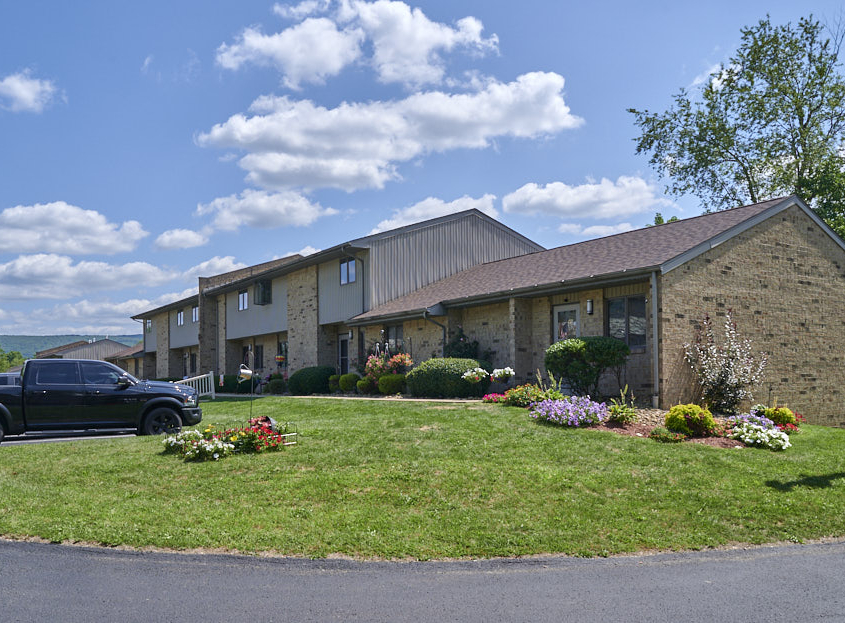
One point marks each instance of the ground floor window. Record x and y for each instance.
(626, 320)
(259, 356)
(566, 323)
(393, 338)
(193, 363)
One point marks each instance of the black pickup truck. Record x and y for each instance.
(64, 395)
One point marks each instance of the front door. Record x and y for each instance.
(343, 353)
(566, 323)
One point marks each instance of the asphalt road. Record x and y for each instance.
(42, 582)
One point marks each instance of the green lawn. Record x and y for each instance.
(394, 479)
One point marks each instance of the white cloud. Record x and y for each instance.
(407, 45)
(145, 66)
(308, 52)
(181, 239)
(21, 93)
(297, 144)
(301, 10)
(50, 276)
(604, 199)
(594, 231)
(59, 227)
(214, 266)
(433, 207)
(264, 210)
(306, 250)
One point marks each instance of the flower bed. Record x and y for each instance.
(259, 435)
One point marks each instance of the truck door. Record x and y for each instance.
(53, 395)
(107, 403)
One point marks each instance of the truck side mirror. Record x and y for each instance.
(123, 381)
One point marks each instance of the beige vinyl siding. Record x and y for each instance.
(187, 334)
(257, 319)
(337, 302)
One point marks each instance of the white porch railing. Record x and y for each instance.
(203, 384)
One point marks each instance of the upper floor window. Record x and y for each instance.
(626, 320)
(243, 300)
(149, 325)
(195, 313)
(180, 318)
(347, 271)
(263, 292)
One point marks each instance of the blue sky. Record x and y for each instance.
(144, 144)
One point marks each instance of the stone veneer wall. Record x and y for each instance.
(207, 336)
(305, 339)
(161, 323)
(784, 279)
(490, 325)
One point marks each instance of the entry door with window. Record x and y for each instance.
(566, 322)
(343, 353)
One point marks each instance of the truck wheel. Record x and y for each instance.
(161, 421)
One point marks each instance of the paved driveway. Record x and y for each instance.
(42, 582)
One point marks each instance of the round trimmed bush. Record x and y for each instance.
(365, 386)
(347, 382)
(277, 386)
(391, 384)
(581, 361)
(441, 378)
(313, 380)
(691, 420)
(333, 383)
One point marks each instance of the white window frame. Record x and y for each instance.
(243, 300)
(195, 313)
(180, 318)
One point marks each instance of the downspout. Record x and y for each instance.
(442, 326)
(655, 347)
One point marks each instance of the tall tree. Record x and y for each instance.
(769, 122)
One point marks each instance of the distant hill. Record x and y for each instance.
(28, 345)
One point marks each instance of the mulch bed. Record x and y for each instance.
(649, 418)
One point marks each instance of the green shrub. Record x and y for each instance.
(347, 382)
(333, 383)
(277, 386)
(231, 385)
(441, 378)
(622, 409)
(461, 347)
(366, 386)
(691, 420)
(581, 361)
(666, 436)
(780, 415)
(523, 395)
(391, 384)
(313, 380)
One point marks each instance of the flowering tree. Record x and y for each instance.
(726, 371)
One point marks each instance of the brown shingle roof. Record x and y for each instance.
(632, 251)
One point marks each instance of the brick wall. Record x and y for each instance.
(784, 279)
